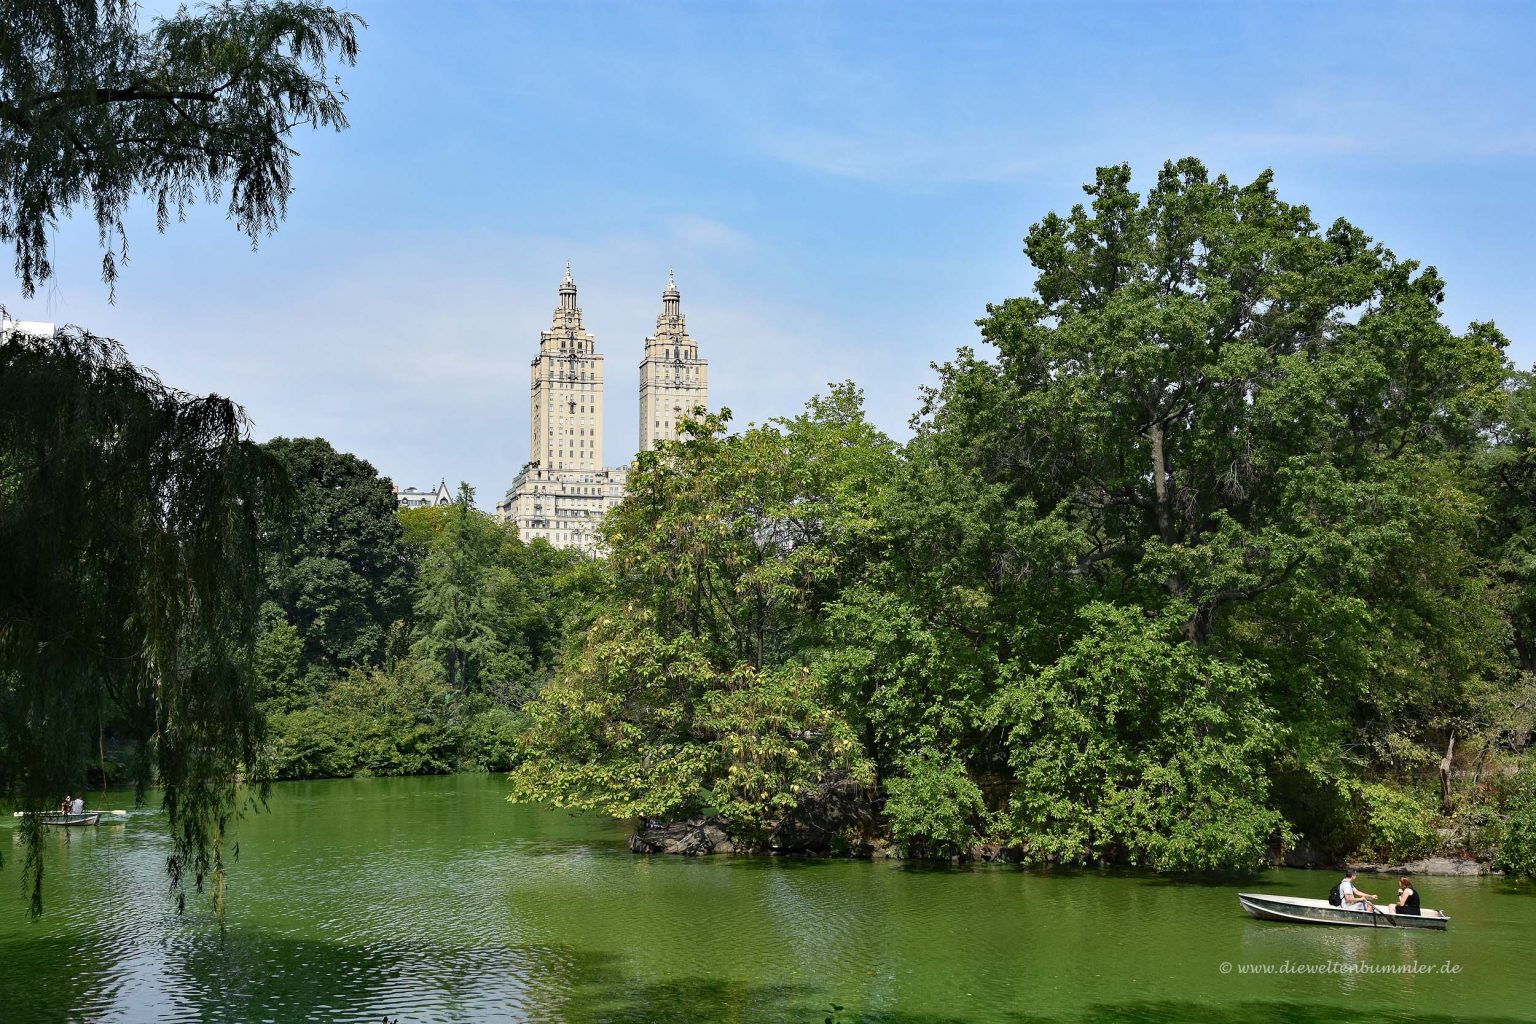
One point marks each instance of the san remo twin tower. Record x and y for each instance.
(563, 491)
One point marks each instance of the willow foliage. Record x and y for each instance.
(93, 110)
(129, 528)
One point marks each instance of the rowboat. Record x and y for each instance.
(71, 820)
(1300, 910)
(83, 820)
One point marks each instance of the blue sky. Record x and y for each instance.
(840, 187)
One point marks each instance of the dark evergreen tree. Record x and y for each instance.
(340, 574)
(460, 625)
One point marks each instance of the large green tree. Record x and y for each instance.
(96, 108)
(540, 591)
(696, 690)
(129, 529)
(1508, 469)
(337, 566)
(1249, 428)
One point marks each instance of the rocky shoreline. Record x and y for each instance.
(700, 837)
(1442, 866)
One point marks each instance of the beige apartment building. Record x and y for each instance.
(566, 395)
(563, 491)
(673, 379)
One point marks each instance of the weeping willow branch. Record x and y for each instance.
(94, 111)
(129, 529)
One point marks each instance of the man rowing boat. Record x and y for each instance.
(1353, 898)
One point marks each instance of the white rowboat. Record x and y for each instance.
(84, 819)
(1299, 910)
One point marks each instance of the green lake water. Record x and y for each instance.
(434, 900)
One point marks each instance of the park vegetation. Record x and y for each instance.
(1224, 548)
(398, 644)
(131, 513)
(129, 527)
(1225, 545)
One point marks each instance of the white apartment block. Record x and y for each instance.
(37, 328)
(562, 506)
(410, 497)
(563, 492)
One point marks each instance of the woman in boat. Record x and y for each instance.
(1407, 899)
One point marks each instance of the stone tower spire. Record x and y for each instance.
(566, 393)
(673, 379)
(670, 299)
(563, 492)
(567, 289)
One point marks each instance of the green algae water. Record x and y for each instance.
(434, 900)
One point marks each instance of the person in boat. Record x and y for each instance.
(1407, 899)
(78, 807)
(1353, 898)
(65, 806)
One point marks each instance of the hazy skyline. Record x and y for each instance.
(841, 190)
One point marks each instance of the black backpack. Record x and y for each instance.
(1334, 899)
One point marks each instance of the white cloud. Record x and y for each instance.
(703, 233)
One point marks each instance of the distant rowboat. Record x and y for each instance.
(84, 820)
(1300, 910)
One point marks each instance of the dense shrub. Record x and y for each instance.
(491, 738)
(370, 722)
(1394, 826)
(933, 806)
(1139, 748)
(1517, 837)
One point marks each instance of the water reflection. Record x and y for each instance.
(435, 901)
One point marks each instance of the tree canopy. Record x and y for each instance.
(95, 109)
(399, 642)
(693, 692)
(1251, 429)
(336, 563)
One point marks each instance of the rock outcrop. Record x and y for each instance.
(839, 817)
(1429, 866)
(692, 838)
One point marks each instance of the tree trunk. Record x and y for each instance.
(1445, 775)
(1195, 628)
(1477, 769)
(1163, 507)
